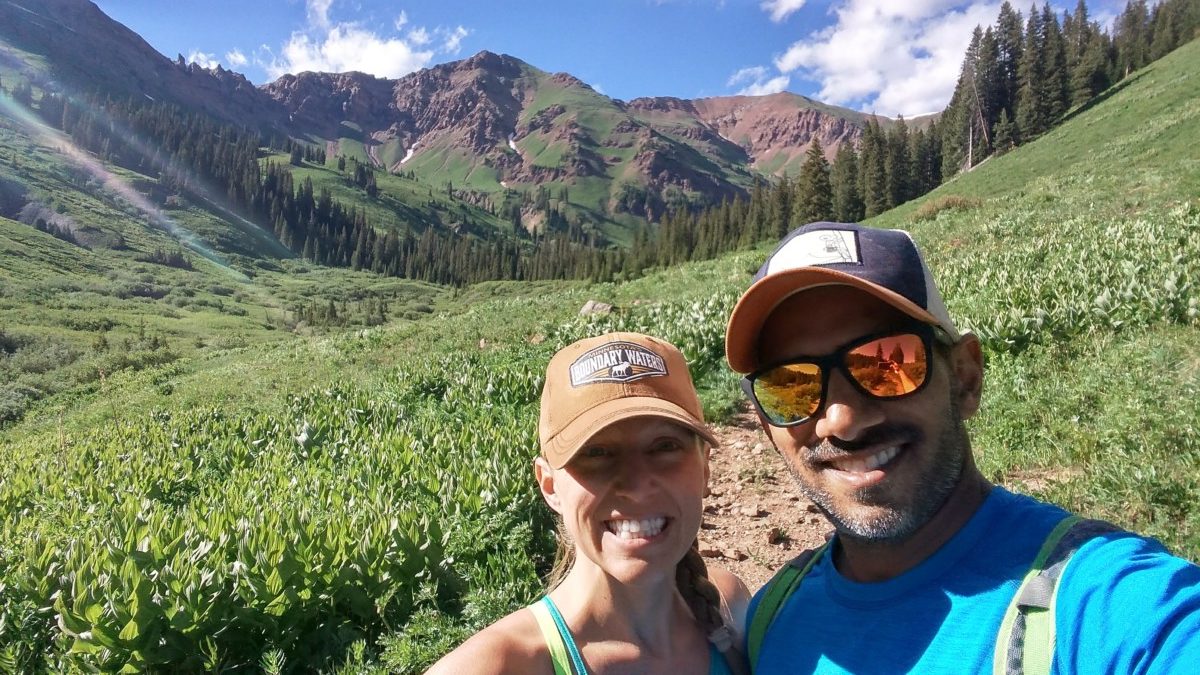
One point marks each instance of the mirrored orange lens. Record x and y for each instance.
(890, 366)
(790, 392)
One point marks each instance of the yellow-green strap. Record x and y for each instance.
(554, 641)
(1025, 643)
(777, 591)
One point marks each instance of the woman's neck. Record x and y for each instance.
(646, 612)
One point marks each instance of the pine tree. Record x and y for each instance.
(1057, 76)
(780, 206)
(988, 92)
(966, 124)
(1090, 75)
(814, 194)
(1032, 119)
(1132, 38)
(927, 160)
(954, 132)
(847, 202)
(898, 165)
(1077, 32)
(872, 172)
(1009, 48)
(1005, 134)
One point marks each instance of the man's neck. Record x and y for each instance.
(866, 561)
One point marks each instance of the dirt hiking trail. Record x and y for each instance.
(755, 520)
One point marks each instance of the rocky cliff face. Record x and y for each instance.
(774, 131)
(476, 100)
(320, 101)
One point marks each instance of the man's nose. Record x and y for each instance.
(847, 412)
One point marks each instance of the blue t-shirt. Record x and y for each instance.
(1124, 605)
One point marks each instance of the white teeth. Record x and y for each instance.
(863, 465)
(635, 529)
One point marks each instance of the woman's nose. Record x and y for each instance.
(634, 475)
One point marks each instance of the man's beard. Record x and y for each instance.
(898, 519)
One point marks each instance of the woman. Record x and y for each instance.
(624, 463)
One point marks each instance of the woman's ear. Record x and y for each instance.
(706, 450)
(545, 480)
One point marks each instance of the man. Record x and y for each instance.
(862, 382)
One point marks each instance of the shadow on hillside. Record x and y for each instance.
(1103, 96)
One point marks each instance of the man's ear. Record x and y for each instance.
(966, 358)
(545, 480)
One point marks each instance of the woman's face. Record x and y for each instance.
(632, 496)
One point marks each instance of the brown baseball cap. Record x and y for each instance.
(598, 381)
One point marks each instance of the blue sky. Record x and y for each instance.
(886, 56)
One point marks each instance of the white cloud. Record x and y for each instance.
(890, 57)
(452, 39)
(764, 87)
(758, 82)
(751, 74)
(781, 9)
(419, 36)
(318, 12)
(330, 45)
(235, 58)
(348, 47)
(203, 60)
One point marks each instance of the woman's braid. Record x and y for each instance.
(702, 597)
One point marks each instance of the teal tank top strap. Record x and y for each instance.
(554, 641)
(563, 652)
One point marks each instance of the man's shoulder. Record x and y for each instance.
(1119, 555)
(1126, 604)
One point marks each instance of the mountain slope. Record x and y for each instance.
(487, 129)
(81, 48)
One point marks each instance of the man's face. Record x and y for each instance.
(879, 469)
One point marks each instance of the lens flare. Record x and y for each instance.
(59, 141)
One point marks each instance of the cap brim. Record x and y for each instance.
(561, 448)
(757, 303)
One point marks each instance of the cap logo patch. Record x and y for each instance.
(818, 247)
(616, 362)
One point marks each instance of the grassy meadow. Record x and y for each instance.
(359, 499)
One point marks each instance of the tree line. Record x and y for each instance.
(1020, 76)
(1019, 79)
(194, 154)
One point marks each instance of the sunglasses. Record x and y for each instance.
(883, 366)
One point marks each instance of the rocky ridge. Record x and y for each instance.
(489, 111)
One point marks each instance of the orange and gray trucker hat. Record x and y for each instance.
(884, 263)
(598, 381)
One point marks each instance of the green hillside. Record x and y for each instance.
(363, 498)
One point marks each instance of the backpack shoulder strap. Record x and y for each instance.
(1025, 642)
(775, 594)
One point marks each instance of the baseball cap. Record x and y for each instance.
(884, 263)
(598, 381)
